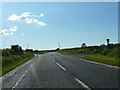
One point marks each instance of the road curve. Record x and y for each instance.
(54, 70)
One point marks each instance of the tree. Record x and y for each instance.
(83, 45)
(102, 45)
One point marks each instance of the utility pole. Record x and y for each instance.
(28, 46)
(59, 45)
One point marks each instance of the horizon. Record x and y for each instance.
(44, 25)
(57, 47)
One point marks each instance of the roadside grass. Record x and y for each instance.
(104, 59)
(66, 52)
(13, 61)
(79, 51)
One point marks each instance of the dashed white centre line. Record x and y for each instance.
(85, 86)
(61, 66)
(21, 78)
(80, 82)
(53, 60)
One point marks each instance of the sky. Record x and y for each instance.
(41, 25)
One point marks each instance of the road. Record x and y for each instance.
(54, 70)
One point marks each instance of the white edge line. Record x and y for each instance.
(21, 77)
(80, 82)
(100, 63)
(61, 66)
(1, 79)
(13, 71)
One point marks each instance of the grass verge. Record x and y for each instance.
(104, 59)
(69, 52)
(11, 62)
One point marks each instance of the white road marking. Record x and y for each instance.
(13, 71)
(61, 66)
(30, 66)
(53, 59)
(1, 79)
(85, 86)
(100, 63)
(21, 77)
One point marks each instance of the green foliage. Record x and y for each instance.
(83, 45)
(17, 49)
(11, 62)
(9, 52)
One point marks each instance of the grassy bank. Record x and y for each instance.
(11, 62)
(104, 59)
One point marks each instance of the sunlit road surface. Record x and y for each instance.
(54, 70)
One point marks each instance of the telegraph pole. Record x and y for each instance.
(28, 46)
(59, 45)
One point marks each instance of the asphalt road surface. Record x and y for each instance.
(54, 70)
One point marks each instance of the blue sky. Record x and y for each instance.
(69, 23)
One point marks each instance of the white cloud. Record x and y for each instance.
(35, 21)
(3, 31)
(41, 15)
(25, 14)
(13, 17)
(14, 28)
(41, 23)
(27, 18)
(6, 34)
(9, 31)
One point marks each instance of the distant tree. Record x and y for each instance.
(83, 45)
(17, 49)
(102, 45)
